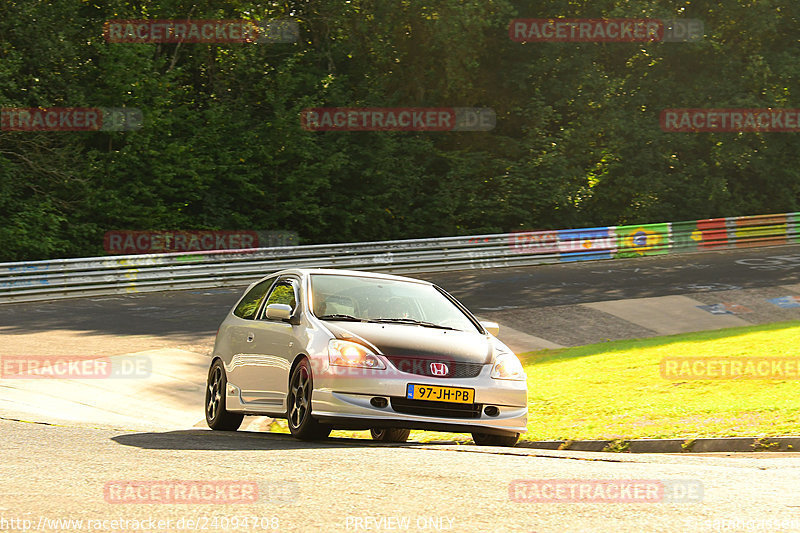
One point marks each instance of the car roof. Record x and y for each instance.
(342, 272)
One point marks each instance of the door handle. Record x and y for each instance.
(251, 337)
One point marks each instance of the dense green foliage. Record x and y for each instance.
(577, 142)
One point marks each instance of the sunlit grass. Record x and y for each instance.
(615, 390)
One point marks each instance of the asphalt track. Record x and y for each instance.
(54, 473)
(571, 283)
(538, 300)
(82, 436)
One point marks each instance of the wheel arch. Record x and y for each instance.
(296, 361)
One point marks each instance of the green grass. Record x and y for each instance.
(614, 390)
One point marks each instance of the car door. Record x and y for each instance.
(238, 333)
(273, 347)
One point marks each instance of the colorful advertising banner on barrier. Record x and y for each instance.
(645, 239)
(762, 230)
(793, 229)
(714, 232)
(586, 244)
(685, 236)
(704, 234)
(534, 242)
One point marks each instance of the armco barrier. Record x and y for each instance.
(66, 278)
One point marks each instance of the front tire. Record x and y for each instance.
(298, 411)
(484, 439)
(217, 417)
(390, 434)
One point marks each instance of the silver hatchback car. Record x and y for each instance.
(344, 349)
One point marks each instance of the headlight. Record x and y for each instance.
(507, 366)
(346, 353)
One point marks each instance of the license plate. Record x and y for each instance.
(435, 393)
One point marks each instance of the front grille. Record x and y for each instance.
(436, 409)
(422, 367)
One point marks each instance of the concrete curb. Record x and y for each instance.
(701, 445)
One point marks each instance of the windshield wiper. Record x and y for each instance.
(338, 316)
(410, 321)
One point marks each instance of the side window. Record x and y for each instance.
(249, 305)
(283, 293)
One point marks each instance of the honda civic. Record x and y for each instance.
(336, 349)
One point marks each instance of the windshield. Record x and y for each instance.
(339, 297)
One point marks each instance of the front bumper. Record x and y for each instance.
(342, 397)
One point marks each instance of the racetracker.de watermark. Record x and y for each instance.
(561, 30)
(398, 119)
(70, 119)
(200, 31)
(605, 491)
(722, 368)
(75, 367)
(730, 120)
(143, 242)
(172, 491)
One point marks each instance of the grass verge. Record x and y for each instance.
(615, 390)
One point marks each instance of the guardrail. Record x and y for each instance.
(67, 278)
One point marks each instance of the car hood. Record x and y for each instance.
(418, 341)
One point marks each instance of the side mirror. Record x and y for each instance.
(279, 312)
(491, 327)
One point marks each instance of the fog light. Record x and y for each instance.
(379, 402)
(491, 410)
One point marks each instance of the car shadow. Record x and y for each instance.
(205, 439)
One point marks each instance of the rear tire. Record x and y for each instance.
(217, 417)
(484, 439)
(390, 434)
(298, 409)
